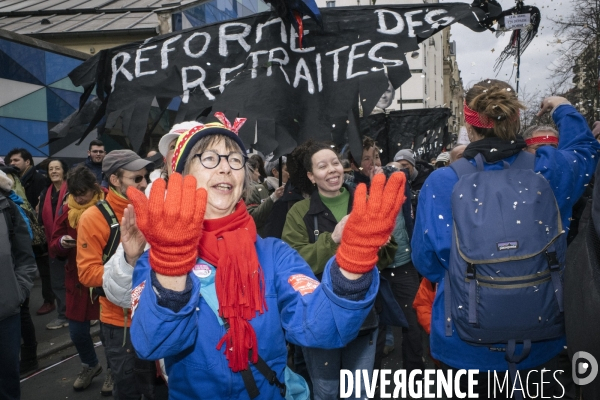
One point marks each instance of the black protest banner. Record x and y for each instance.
(253, 67)
(424, 130)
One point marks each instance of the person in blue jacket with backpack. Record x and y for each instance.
(440, 244)
(218, 302)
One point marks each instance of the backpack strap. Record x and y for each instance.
(524, 160)
(448, 300)
(513, 359)
(554, 267)
(462, 167)
(262, 367)
(316, 231)
(115, 230)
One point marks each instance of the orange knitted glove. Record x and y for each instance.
(172, 225)
(371, 222)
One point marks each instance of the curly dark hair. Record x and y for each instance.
(299, 162)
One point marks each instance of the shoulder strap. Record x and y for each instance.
(316, 231)
(115, 230)
(463, 167)
(524, 160)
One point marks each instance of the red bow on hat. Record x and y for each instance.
(237, 124)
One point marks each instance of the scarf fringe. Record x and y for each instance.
(229, 244)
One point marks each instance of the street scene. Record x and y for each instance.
(299, 199)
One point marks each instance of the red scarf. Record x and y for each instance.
(48, 217)
(228, 244)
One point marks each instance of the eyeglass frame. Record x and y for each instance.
(226, 156)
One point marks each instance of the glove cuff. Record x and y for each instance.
(355, 259)
(171, 264)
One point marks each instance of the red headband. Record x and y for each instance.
(542, 140)
(473, 118)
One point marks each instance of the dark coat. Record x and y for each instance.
(79, 304)
(276, 220)
(34, 183)
(424, 169)
(96, 169)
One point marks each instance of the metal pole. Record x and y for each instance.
(518, 33)
(280, 170)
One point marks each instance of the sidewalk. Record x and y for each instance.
(49, 341)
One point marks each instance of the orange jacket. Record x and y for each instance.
(424, 303)
(92, 236)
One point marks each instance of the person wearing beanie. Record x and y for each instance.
(418, 171)
(210, 295)
(442, 160)
(125, 171)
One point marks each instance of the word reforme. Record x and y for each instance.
(307, 64)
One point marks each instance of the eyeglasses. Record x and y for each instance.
(139, 178)
(210, 159)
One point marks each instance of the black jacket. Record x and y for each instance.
(424, 169)
(17, 265)
(276, 220)
(34, 184)
(96, 168)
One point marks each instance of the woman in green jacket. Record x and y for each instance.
(314, 228)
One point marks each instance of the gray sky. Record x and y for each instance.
(476, 59)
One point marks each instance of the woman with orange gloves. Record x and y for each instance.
(217, 301)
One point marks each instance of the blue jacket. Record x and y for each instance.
(19, 201)
(568, 169)
(187, 340)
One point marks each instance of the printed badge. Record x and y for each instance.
(512, 245)
(303, 284)
(135, 296)
(202, 270)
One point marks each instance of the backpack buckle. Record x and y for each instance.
(471, 271)
(552, 259)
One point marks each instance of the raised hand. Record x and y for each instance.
(371, 222)
(132, 239)
(172, 225)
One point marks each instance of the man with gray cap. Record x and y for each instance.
(97, 239)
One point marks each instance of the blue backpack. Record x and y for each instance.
(504, 283)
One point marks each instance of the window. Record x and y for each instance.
(330, 3)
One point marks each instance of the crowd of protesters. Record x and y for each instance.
(235, 275)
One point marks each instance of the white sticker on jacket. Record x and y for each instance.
(135, 296)
(201, 270)
(303, 284)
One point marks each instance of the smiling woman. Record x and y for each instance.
(211, 294)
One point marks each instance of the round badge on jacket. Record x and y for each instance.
(201, 270)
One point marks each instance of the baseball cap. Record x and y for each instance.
(125, 159)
